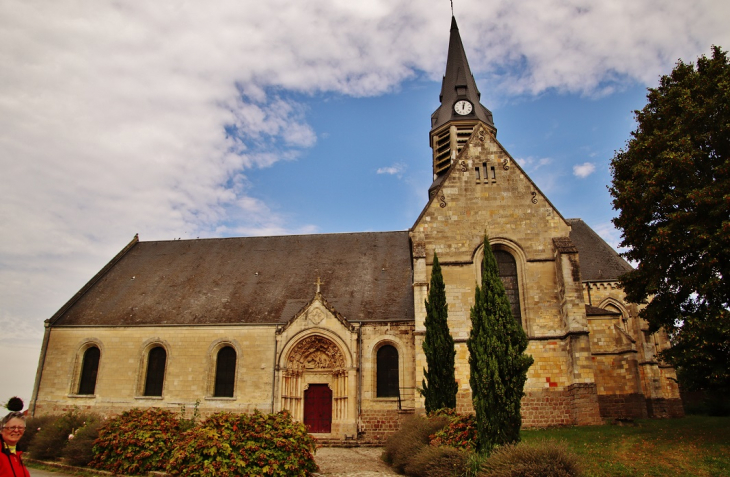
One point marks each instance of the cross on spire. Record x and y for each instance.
(318, 283)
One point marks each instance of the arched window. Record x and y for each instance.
(89, 370)
(156, 361)
(388, 381)
(508, 274)
(225, 372)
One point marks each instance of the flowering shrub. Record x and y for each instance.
(52, 435)
(79, 448)
(228, 444)
(33, 425)
(460, 433)
(136, 441)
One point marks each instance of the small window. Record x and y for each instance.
(89, 370)
(388, 381)
(156, 362)
(225, 372)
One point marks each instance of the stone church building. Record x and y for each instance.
(331, 326)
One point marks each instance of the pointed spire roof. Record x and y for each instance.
(458, 83)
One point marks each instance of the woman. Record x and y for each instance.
(11, 464)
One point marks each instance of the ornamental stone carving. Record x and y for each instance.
(316, 316)
(315, 352)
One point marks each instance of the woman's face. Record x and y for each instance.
(13, 431)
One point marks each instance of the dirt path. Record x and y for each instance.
(351, 462)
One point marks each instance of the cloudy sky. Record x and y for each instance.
(177, 119)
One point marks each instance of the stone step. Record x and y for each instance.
(346, 443)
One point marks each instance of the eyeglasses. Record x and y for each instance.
(15, 429)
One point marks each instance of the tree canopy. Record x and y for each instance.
(671, 188)
(439, 386)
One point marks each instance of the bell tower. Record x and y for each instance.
(454, 121)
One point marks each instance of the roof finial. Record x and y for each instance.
(452, 8)
(318, 283)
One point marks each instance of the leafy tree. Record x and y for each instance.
(439, 387)
(671, 187)
(497, 360)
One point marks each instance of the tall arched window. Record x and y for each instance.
(508, 274)
(225, 372)
(156, 361)
(89, 370)
(388, 384)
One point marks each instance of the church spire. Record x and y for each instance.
(460, 110)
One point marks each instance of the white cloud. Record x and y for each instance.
(532, 164)
(584, 170)
(124, 117)
(394, 170)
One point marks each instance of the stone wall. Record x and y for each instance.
(506, 205)
(665, 408)
(400, 336)
(189, 373)
(377, 425)
(623, 406)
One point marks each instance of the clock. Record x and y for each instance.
(462, 107)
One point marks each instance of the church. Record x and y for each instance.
(331, 326)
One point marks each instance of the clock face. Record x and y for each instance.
(462, 107)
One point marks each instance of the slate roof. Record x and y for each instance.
(367, 277)
(598, 260)
(595, 311)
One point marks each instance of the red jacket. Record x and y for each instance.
(11, 465)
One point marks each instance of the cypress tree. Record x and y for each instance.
(497, 361)
(439, 385)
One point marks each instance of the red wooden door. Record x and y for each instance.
(318, 408)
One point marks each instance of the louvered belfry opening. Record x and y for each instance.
(448, 143)
(89, 370)
(442, 151)
(225, 372)
(156, 362)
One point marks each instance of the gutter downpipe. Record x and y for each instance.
(273, 382)
(359, 376)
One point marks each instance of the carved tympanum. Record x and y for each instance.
(316, 352)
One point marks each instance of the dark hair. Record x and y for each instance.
(15, 404)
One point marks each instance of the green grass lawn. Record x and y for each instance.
(692, 446)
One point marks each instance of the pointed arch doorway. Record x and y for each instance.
(318, 408)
